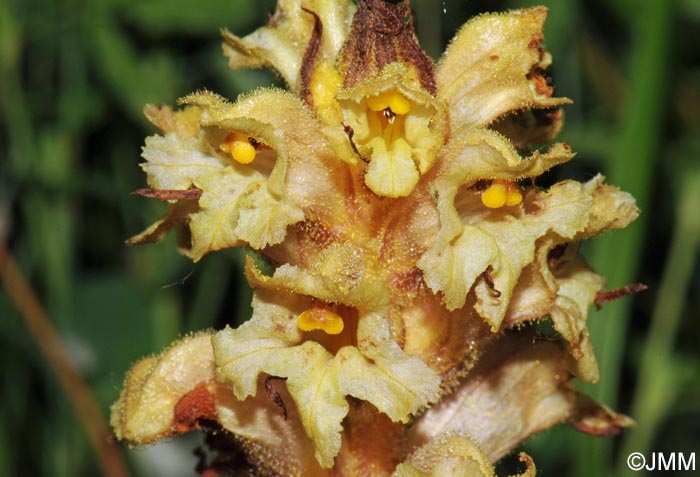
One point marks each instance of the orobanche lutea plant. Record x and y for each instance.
(396, 201)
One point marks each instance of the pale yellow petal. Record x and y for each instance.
(236, 206)
(282, 43)
(476, 154)
(376, 370)
(453, 455)
(504, 244)
(494, 66)
(184, 123)
(145, 411)
(319, 381)
(400, 149)
(174, 163)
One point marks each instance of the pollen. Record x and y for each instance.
(239, 147)
(392, 100)
(319, 318)
(501, 193)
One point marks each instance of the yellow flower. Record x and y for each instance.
(410, 246)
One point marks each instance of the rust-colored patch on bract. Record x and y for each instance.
(536, 41)
(192, 407)
(541, 85)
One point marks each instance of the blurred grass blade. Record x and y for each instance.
(631, 165)
(658, 385)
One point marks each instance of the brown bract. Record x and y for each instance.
(409, 245)
(382, 33)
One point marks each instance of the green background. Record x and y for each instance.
(74, 77)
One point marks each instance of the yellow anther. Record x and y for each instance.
(514, 197)
(495, 196)
(398, 103)
(392, 99)
(320, 319)
(239, 147)
(501, 193)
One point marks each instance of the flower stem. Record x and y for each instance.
(73, 384)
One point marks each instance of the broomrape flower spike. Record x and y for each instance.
(409, 253)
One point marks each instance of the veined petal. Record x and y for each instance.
(236, 207)
(241, 201)
(561, 285)
(282, 43)
(520, 386)
(500, 246)
(174, 163)
(375, 370)
(494, 66)
(318, 381)
(305, 172)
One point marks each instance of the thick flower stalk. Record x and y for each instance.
(397, 201)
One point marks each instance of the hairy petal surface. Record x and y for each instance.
(495, 65)
(281, 44)
(168, 394)
(453, 455)
(375, 370)
(506, 243)
(520, 386)
(145, 411)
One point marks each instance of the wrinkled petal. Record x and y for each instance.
(175, 163)
(235, 207)
(376, 370)
(505, 243)
(478, 154)
(168, 394)
(501, 245)
(240, 203)
(495, 65)
(282, 43)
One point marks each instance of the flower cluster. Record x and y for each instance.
(397, 202)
